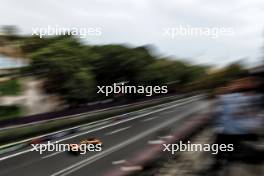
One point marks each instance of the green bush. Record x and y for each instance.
(9, 112)
(10, 87)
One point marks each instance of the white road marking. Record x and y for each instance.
(118, 162)
(131, 168)
(72, 168)
(156, 142)
(169, 112)
(166, 137)
(151, 118)
(15, 154)
(190, 99)
(91, 125)
(126, 120)
(118, 130)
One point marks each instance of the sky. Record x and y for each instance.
(142, 22)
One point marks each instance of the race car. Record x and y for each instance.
(94, 142)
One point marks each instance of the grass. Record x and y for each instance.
(10, 112)
(10, 87)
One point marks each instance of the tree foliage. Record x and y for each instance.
(73, 69)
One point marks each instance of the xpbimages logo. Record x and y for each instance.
(191, 147)
(188, 30)
(82, 32)
(128, 89)
(81, 148)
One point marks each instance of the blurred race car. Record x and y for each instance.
(76, 148)
(93, 141)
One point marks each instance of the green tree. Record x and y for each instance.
(116, 63)
(62, 65)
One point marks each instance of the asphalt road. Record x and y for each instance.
(121, 140)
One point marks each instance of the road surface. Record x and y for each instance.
(121, 140)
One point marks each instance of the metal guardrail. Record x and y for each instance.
(91, 113)
(54, 135)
